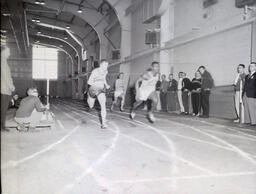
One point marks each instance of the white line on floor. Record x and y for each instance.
(184, 177)
(91, 168)
(60, 124)
(235, 148)
(48, 148)
(178, 157)
(71, 117)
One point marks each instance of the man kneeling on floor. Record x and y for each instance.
(31, 111)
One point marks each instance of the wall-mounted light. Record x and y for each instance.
(3, 31)
(68, 27)
(38, 32)
(79, 10)
(40, 2)
(6, 14)
(65, 37)
(36, 20)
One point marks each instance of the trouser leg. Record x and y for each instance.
(103, 111)
(180, 101)
(205, 102)
(158, 101)
(247, 118)
(237, 103)
(5, 99)
(252, 109)
(185, 101)
(35, 118)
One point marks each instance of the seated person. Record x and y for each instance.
(31, 110)
(15, 102)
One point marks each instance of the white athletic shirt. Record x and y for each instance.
(97, 78)
(119, 85)
(147, 86)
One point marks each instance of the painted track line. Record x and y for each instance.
(48, 148)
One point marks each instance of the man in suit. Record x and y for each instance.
(207, 84)
(163, 93)
(186, 87)
(249, 95)
(172, 98)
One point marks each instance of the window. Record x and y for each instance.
(45, 63)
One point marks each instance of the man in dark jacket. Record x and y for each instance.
(207, 84)
(172, 98)
(249, 94)
(186, 87)
(163, 93)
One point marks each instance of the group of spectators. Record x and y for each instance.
(176, 95)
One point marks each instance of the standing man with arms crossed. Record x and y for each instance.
(207, 84)
(97, 89)
(145, 91)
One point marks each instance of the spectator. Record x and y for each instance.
(15, 102)
(249, 95)
(180, 92)
(196, 93)
(158, 88)
(186, 87)
(163, 93)
(31, 110)
(119, 92)
(239, 84)
(172, 94)
(207, 84)
(7, 86)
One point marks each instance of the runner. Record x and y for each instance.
(146, 91)
(119, 92)
(97, 89)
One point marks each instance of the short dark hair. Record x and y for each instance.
(120, 74)
(241, 65)
(181, 72)
(103, 60)
(201, 67)
(154, 62)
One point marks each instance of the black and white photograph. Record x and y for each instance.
(128, 97)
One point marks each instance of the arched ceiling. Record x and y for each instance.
(63, 13)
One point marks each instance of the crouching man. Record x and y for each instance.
(31, 111)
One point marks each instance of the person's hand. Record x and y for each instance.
(47, 106)
(107, 86)
(12, 88)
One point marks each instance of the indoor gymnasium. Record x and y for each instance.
(128, 96)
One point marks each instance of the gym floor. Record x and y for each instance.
(177, 154)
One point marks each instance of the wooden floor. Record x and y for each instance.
(175, 155)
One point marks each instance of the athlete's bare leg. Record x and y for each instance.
(139, 104)
(102, 101)
(90, 101)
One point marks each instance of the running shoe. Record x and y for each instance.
(151, 118)
(132, 115)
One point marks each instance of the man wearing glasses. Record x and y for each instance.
(31, 110)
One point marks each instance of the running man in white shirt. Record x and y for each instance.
(146, 91)
(97, 89)
(119, 91)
